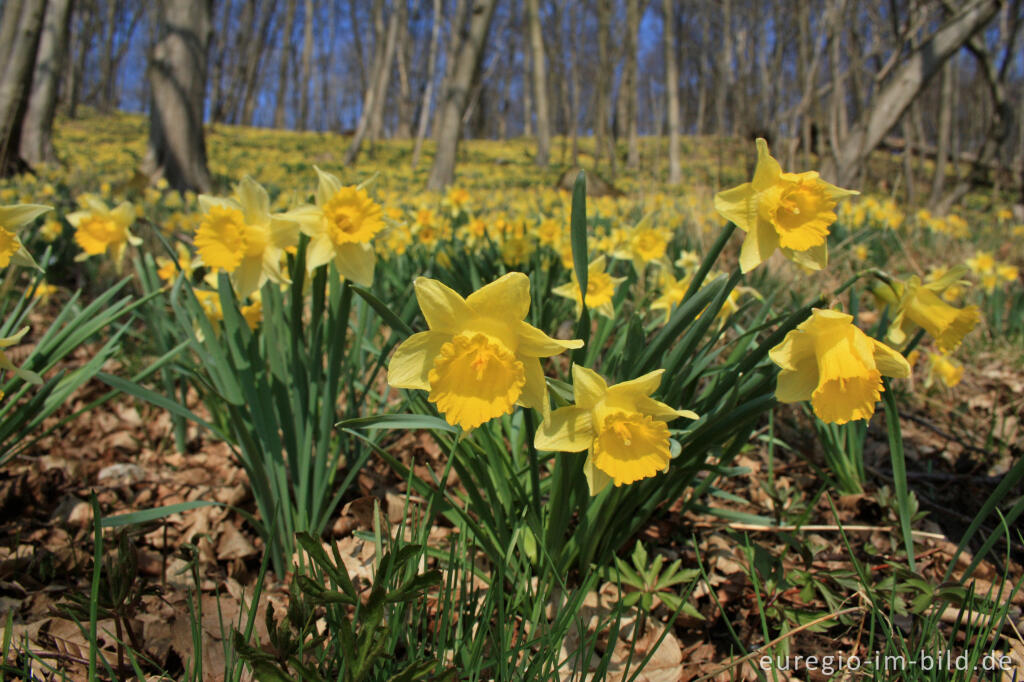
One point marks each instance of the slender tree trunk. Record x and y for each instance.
(724, 81)
(372, 117)
(675, 175)
(629, 83)
(453, 104)
(255, 56)
(384, 77)
(307, 65)
(943, 134)
(540, 84)
(105, 101)
(15, 84)
(36, 142)
(405, 103)
(283, 50)
(602, 93)
(8, 30)
(458, 21)
(912, 74)
(428, 92)
(526, 35)
(574, 79)
(177, 73)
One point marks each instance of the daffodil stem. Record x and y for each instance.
(534, 463)
(899, 468)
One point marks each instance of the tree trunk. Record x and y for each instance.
(254, 59)
(540, 84)
(105, 101)
(372, 117)
(458, 21)
(428, 92)
(675, 175)
(405, 103)
(15, 84)
(282, 66)
(909, 78)
(453, 103)
(36, 142)
(723, 82)
(307, 66)
(602, 86)
(177, 75)
(943, 134)
(629, 83)
(8, 30)
(526, 35)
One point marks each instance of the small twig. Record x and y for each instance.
(760, 650)
(816, 528)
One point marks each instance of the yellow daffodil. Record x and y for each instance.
(6, 364)
(167, 270)
(100, 229)
(600, 289)
(791, 211)
(943, 368)
(50, 230)
(920, 305)
(240, 236)
(672, 292)
(479, 358)
(12, 220)
(623, 429)
(836, 366)
(341, 227)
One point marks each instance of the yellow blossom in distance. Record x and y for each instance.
(479, 357)
(240, 236)
(600, 289)
(341, 227)
(836, 366)
(920, 304)
(12, 220)
(791, 211)
(100, 229)
(623, 429)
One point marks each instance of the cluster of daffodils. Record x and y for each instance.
(12, 252)
(827, 360)
(479, 359)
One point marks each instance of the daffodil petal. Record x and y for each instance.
(356, 262)
(327, 186)
(254, 201)
(442, 307)
(589, 387)
(507, 296)
(535, 393)
(535, 343)
(597, 480)
(568, 429)
(759, 245)
(738, 205)
(13, 217)
(414, 358)
(768, 170)
(890, 362)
